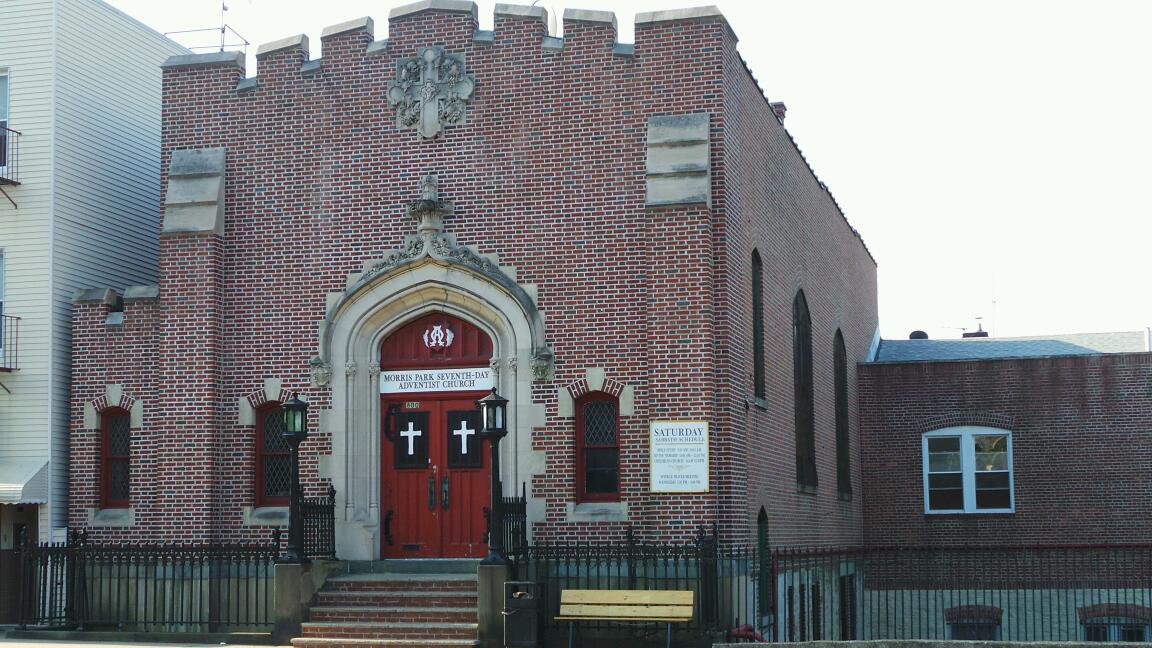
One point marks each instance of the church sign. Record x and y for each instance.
(678, 457)
(407, 381)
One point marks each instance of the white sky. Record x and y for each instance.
(994, 154)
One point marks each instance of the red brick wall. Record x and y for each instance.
(776, 205)
(1081, 447)
(549, 172)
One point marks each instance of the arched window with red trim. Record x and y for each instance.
(115, 458)
(272, 457)
(597, 448)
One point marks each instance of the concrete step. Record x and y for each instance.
(402, 582)
(317, 642)
(415, 566)
(439, 598)
(397, 630)
(385, 614)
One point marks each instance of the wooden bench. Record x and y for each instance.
(667, 606)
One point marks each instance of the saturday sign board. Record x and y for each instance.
(678, 457)
(436, 380)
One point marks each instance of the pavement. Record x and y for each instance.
(53, 643)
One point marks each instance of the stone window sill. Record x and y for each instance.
(598, 512)
(111, 517)
(266, 516)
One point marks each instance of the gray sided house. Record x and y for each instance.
(79, 170)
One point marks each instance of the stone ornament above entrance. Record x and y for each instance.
(430, 91)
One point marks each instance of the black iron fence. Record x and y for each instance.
(147, 589)
(723, 579)
(9, 335)
(320, 525)
(1055, 593)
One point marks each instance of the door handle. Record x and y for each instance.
(444, 492)
(432, 492)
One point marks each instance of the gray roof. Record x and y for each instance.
(1022, 347)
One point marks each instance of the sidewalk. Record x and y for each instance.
(14, 643)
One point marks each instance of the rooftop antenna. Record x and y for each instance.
(226, 41)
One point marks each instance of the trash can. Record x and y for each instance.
(523, 614)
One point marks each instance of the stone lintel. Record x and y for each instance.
(292, 42)
(105, 296)
(451, 6)
(522, 11)
(142, 293)
(670, 15)
(365, 24)
(235, 59)
(588, 16)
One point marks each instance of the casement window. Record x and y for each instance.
(968, 470)
(805, 407)
(115, 453)
(597, 448)
(272, 457)
(1116, 629)
(758, 389)
(840, 387)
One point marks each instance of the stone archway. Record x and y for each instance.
(429, 274)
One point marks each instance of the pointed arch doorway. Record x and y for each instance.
(434, 474)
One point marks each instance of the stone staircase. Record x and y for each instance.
(395, 603)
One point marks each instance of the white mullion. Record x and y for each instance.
(968, 469)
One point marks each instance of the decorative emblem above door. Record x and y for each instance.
(430, 91)
(438, 337)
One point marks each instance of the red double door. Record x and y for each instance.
(435, 484)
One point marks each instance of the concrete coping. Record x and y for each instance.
(142, 293)
(311, 67)
(105, 296)
(291, 42)
(624, 49)
(589, 16)
(204, 60)
(483, 36)
(522, 11)
(377, 47)
(669, 15)
(453, 6)
(246, 85)
(553, 43)
(364, 23)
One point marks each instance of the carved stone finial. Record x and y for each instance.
(430, 210)
(430, 91)
(321, 372)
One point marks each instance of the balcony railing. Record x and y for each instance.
(9, 334)
(9, 156)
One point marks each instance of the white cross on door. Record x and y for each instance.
(464, 432)
(411, 433)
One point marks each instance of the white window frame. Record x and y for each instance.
(5, 109)
(967, 467)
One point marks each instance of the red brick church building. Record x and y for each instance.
(614, 237)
